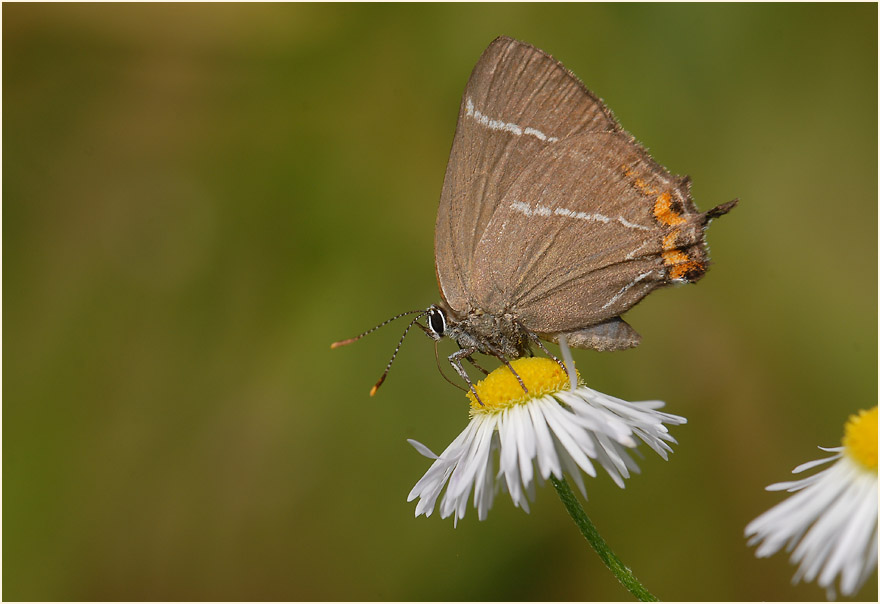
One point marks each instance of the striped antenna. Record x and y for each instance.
(369, 331)
(399, 344)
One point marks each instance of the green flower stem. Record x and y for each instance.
(620, 570)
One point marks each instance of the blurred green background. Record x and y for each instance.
(198, 199)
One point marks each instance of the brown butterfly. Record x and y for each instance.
(553, 220)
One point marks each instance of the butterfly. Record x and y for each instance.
(553, 220)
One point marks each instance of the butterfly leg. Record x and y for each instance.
(455, 360)
(515, 374)
(474, 363)
(534, 337)
(497, 353)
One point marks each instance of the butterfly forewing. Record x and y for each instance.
(518, 102)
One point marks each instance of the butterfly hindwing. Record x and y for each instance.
(588, 228)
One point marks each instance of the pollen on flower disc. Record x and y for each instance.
(501, 389)
(860, 438)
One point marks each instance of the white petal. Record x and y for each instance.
(422, 449)
(509, 459)
(548, 461)
(525, 442)
(814, 463)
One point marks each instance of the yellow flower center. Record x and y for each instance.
(500, 389)
(860, 438)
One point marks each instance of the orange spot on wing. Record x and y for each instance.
(688, 271)
(664, 212)
(680, 265)
(673, 257)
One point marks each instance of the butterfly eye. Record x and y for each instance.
(437, 321)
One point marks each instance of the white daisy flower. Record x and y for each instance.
(551, 430)
(831, 522)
